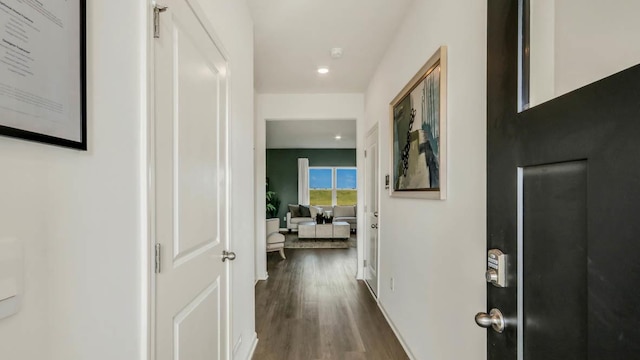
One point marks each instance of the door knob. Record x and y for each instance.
(375, 213)
(228, 255)
(374, 226)
(493, 319)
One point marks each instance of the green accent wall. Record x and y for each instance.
(282, 171)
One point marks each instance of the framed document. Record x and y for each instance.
(43, 71)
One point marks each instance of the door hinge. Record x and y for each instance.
(156, 19)
(365, 153)
(157, 258)
(364, 263)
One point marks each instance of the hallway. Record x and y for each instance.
(311, 307)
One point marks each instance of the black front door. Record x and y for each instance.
(564, 204)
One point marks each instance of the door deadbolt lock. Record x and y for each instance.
(496, 273)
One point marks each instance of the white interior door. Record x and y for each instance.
(371, 211)
(191, 189)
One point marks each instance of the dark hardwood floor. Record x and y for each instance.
(311, 307)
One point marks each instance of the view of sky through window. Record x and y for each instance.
(346, 178)
(320, 178)
(324, 189)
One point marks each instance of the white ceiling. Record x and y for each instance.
(294, 37)
(311, 134)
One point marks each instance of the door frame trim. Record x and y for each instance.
(148, 178)
(148, 147)
(371, 130)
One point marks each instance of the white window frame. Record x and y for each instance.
(334, 181)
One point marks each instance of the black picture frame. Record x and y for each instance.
(80, 91)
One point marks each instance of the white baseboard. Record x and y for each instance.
(254, 344)
(373, 295)
(265, 276)
(395, 331)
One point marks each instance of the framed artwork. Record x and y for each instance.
(418, 117)
(43, 71)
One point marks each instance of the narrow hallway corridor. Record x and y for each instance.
(311, 307)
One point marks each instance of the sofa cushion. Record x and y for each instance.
(275, 246)
(294, 210)
(315, 210)
(325, 208)
(304, 211)
(299, 220)
(275, 238)
(344, 211)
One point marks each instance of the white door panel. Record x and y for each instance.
(196, 327)
(191, 189)
(195, 148)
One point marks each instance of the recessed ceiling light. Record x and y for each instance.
(336, 53)
(338, 137)
(323, 70)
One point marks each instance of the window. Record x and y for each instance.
(333, 186)
(346, 186)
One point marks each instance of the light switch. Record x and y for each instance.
(11, 276)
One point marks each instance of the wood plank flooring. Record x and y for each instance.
(312, 308)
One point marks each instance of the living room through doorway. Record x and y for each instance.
(312, 182)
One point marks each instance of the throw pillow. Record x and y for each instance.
(315, 210)
(304, 211)
(294, 210)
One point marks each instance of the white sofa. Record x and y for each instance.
(293, 221)
(346, 214)
(339, 213)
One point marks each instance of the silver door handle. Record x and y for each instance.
(228, 255)
(374, 226)
(493, 319)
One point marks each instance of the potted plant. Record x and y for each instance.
(273, 204)
(328, 219)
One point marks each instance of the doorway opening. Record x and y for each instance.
(312, 183)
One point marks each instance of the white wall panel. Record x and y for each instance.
(435, 250)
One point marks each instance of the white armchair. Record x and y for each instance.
(275, 240)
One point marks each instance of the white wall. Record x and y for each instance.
(81, 215)
(594, 39)
(577, 42)
(78, 214)
(542, 51)
(435, 250)
(302, 107)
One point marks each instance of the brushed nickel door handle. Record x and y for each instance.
(493, 319)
